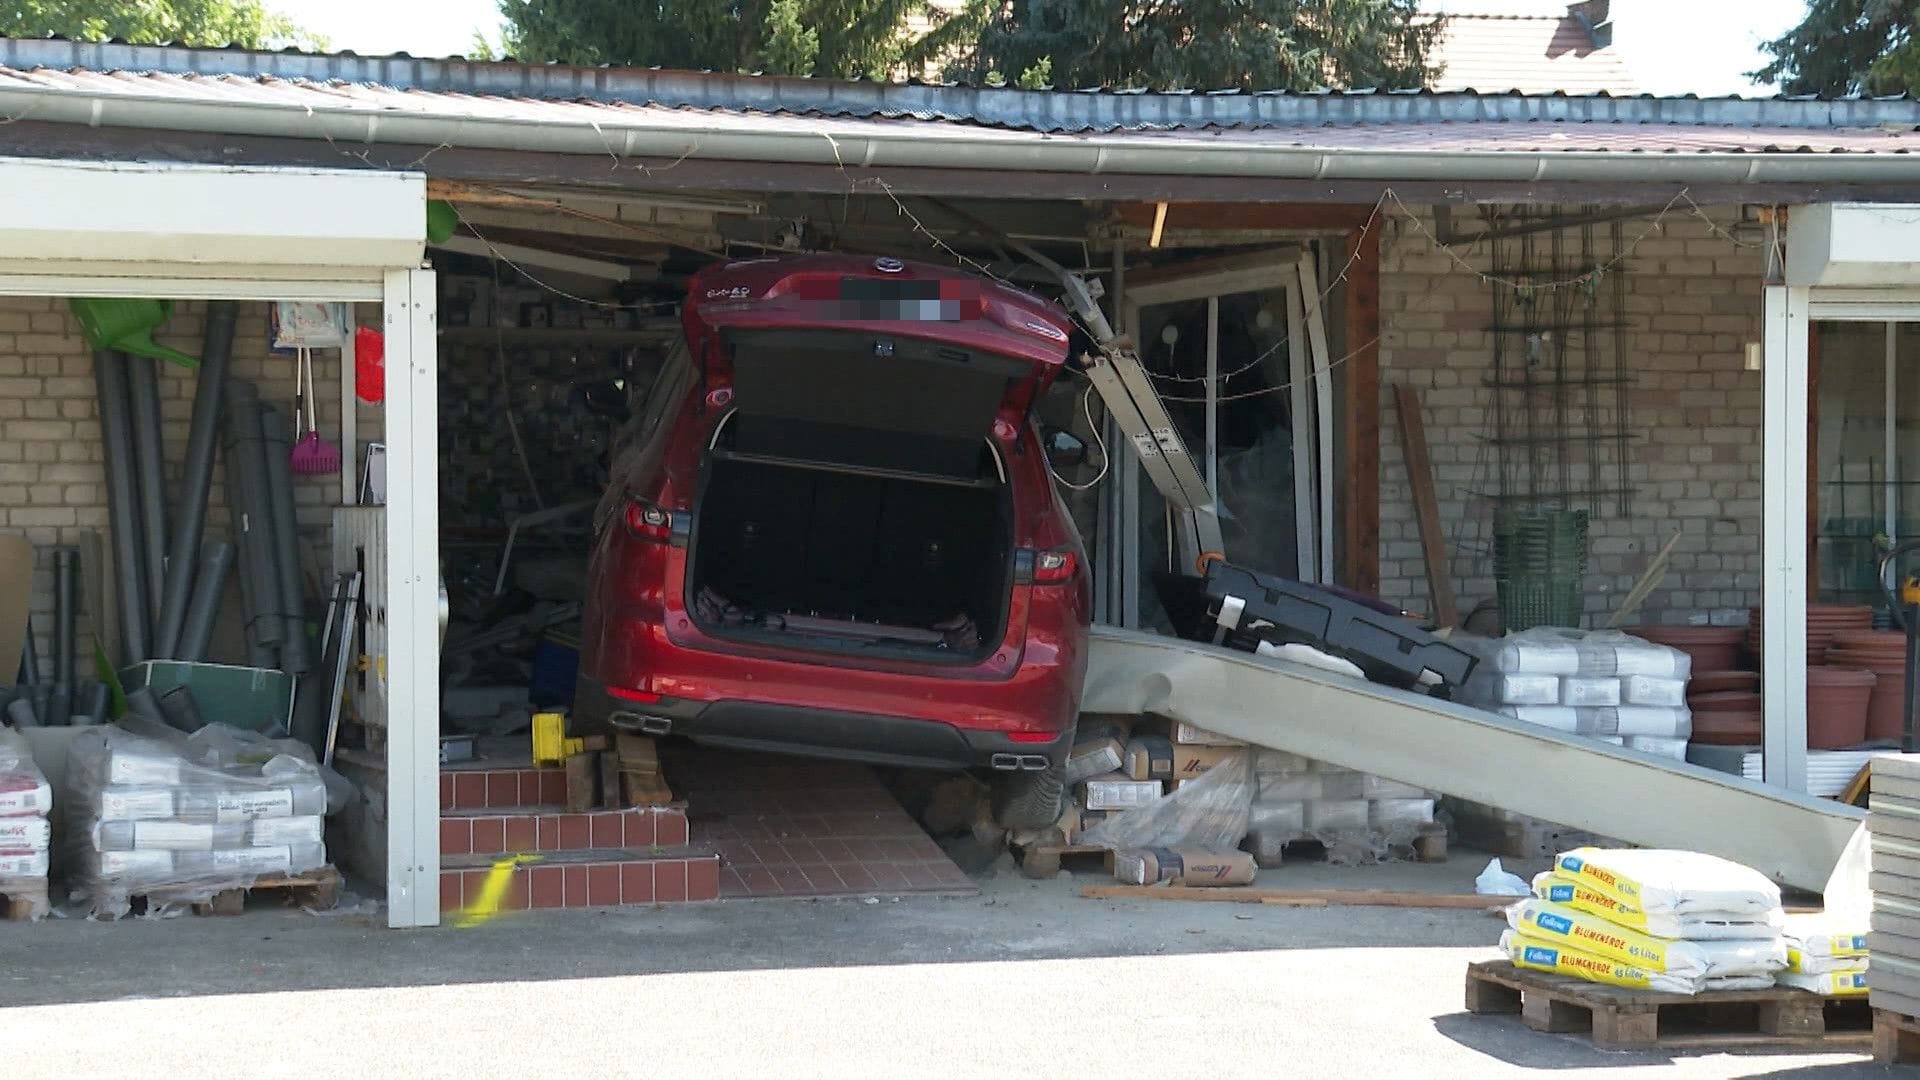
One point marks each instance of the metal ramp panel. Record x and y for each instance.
(1796, 839)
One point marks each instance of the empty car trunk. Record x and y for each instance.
(824, 558)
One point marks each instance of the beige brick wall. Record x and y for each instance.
(1693, 302)
(52, 481)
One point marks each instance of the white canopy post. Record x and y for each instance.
(1784, 537)
(413, 602)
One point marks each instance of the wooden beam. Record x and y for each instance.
(1358, 566)
(1426, 505)
(1298, 897)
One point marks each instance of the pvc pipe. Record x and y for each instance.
(197, 475)
(99, 698)
(181, 711)
(149, 460)
(21, 712)
(278, 446)
(209, 585)
(64, 560)
(143, 704)
(123, 507)
(257, 655)
(266, 623)
(29, 659)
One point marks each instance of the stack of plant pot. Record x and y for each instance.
(1823, 622)
(1713, 648)
(1726, 707)
(1884, 653)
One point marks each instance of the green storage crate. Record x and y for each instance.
(244, 697)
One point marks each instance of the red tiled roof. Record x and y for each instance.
(1531, 54)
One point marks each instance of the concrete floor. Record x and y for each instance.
(1023, 977)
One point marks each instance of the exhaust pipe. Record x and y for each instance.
(1006, 762)
(1033, 763)
(645, 725)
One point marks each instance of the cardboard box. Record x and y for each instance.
(1182, 866)
(1148, 757)
(1116, 792)
(1192, 735)
(1191, 761)
(1098, 748)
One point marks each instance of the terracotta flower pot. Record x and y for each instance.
(1713, 648)
(1715, 682)
(1837, 700)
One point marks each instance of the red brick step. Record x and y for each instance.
(480, 786)
(502, 830)
(589, 878)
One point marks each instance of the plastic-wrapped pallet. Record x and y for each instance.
(25, 835)
(1601, 684)
(1356, 816)
(178, 820)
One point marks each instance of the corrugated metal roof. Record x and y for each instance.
(1556, 124)
(1531, 54)
(526, 91)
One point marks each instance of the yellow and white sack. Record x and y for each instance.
(1537, 955)
(1671, 882)
(1569, 928)
(1697, 926)
(1819, 944)
(1831, 984)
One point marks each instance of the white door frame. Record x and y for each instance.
(115, 230)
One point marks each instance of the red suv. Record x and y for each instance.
(831, 529)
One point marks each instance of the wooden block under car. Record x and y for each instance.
(641, 780)
(583, 776)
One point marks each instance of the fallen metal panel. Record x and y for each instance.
(1794, 838)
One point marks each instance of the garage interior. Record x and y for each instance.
(557, 307)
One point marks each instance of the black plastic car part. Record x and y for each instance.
(1238, 608)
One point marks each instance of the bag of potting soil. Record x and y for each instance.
(1591, 934)
(1694, 926)
(1534, 954)
(1671, 882)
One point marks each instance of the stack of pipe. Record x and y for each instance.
(260, 503)
(66, 698)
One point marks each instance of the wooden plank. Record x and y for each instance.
(582, 774)
(1297, 897)
(1426, 505)
(1359, 557)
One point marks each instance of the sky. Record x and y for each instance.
(1671, 46)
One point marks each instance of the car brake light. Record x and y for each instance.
(646, 521)
(1032, 736)
(1053, 567)
(640, 697)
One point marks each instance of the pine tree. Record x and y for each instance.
(245, 23)
(1848, 47)
(1202, 44)
(835, 38)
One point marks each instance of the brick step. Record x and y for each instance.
(500, 830)
(478, 785)
(595, 877)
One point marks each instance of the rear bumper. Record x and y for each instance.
(913, 742)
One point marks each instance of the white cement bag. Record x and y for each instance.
(24, 834)
(1696, 926)
(1659, 723)
(1591, 934)
(1649, 690)
(1553, 717)
(1672, 882)
(1659, 747)
(1585, 693)
(1527, 689)
(1535, 653)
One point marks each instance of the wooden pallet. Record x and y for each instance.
(316, 889)
(1618, 1018)
(1896, 1038)
(24, 902)
(1043, 861)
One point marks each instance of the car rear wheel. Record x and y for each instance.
(1028, 800)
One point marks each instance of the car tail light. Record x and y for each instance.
(1032, 736)
(645, 521)
(639, 697)
(1054, 567)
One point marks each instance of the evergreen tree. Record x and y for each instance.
(245, 23)
(1201, 44)
(836, 38)
(1847, 47)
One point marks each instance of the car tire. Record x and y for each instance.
(1028, 800)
